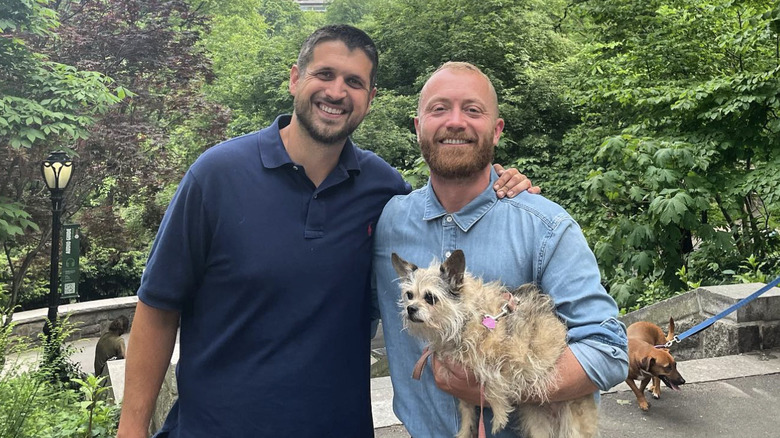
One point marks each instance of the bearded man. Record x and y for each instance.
(528, 239)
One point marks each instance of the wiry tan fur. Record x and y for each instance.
(445, 305)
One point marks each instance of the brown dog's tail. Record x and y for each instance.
(670, 334)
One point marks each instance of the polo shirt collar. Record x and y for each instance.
(274, 155)
(466, 217)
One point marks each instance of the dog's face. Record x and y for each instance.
(661, 364)
(430, 297)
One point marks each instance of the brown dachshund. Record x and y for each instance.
(646, 361)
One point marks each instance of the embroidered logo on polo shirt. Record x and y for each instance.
(370, 229)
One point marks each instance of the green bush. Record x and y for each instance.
(33, 404)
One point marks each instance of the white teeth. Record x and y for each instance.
(454, 141)
(330, 110)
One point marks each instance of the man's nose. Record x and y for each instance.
(336, 89)
(456, 119)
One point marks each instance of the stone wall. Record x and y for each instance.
(91, 318)
(755, 326)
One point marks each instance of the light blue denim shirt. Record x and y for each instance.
(528, 239)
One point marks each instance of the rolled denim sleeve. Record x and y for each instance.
(603, 354)
(568, 272)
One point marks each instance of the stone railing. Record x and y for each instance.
(90, 318)
(755, 326)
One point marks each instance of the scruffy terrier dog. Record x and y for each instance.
(511, 341)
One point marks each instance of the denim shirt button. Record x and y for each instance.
(447, 254)
(449, 219)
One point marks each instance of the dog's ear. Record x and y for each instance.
(647, 363)
(670, 333)
(453, 268)
(402, 267)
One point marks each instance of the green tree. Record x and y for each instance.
(680, 99)
(44, 105)
(350, 11)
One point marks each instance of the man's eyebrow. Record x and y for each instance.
(442, 99)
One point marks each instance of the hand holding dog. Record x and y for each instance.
(454, 379)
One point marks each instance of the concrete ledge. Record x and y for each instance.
(91, 318)
(755, 326)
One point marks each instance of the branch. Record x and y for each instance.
(557, 26)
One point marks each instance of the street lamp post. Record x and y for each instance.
(56, 170)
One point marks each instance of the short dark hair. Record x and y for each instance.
(119, 325)
(351, 36)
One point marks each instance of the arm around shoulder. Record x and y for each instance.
(150, 347)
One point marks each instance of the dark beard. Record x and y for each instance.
(324, 136)
(461, 167)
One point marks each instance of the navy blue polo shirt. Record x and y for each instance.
(271, 276)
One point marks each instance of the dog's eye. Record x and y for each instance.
(430, 299)
(409, 296)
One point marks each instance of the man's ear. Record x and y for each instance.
(417, 127)
(295, 75)
(497, 130)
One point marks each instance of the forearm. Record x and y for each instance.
(572, 381)
(149, 350)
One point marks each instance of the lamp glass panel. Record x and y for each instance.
(49, 175)
(65, 172)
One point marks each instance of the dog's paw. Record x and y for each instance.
(645, 406)
(656, 396)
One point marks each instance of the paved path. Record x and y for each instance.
(725, 397)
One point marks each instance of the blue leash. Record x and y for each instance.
(708, 322)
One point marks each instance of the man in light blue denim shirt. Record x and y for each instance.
(521, 240)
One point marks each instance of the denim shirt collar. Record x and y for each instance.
(467, 216)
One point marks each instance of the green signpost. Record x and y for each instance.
(71, 246)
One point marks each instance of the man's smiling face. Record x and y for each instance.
(334, 93)
(458, 125)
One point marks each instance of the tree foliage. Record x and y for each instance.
(54, 98)
(44, 105)
(655, 123)
(684, 95)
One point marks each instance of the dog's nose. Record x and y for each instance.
(411, 310)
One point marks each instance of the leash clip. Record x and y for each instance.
(489, 321)
(674, 340)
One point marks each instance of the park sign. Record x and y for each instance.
(71, 245)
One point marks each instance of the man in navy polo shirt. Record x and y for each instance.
(264, 255)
